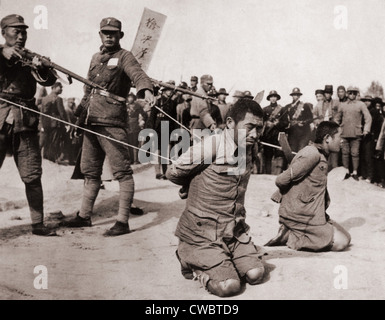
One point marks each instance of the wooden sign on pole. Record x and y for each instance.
(147, 37)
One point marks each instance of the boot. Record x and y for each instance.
(40, 229)
(281, 238)
(118, 229)
(77, 222)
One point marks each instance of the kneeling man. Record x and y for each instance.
(304, 223)
(213, 236)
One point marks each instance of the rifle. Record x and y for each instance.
(175, 88)
(28, 56)
(303, 122)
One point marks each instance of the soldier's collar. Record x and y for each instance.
(104, 50)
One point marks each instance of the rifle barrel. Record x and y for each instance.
(172, 87)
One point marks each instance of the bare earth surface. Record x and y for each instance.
(82, 264)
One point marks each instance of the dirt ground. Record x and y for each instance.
(82, 264)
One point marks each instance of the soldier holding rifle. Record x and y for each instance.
(18, 127)
(105, 113)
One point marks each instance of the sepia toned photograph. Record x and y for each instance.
(206, 152)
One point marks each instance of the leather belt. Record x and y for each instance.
(108, 94)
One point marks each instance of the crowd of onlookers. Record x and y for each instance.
(361, 120)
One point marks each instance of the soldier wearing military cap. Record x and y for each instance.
(19, 127)
(200, 114)
(299, 116)
(274, 122)
(356, 121)
(115, 69)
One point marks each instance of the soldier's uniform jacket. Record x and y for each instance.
(200, 114)
(215, 206)
(349, 116)
(303, 187)
(18, 84)
(116, 71)
(271, 134)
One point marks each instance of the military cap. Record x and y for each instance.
(352, 89)
(111, 24)
(247, 94)
(273, 93)
(13, 20)
(222, 91)
(328, 89)
(319, 91)
(296, 91)
(194, 78)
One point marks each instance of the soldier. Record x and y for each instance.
(304, 223)
(106, 113)
(18, 127)
(194, 83)
(200, 113)
(222, 104)
(275, 121)
(213, 235)
(351, 115)
(300, 116)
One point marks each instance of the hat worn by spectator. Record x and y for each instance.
(194, 78)
(328, 89)
(13, 20)
(367, 98)
(296, 92)
(238, 94)
(352, 89)
(273, 93)
(378, 100)
(247, 94)
(222, 91)
(319, 91)
(110, 24)
(341, 88)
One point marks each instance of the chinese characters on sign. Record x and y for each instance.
(149, 31)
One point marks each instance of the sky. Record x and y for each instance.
(250, 45)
